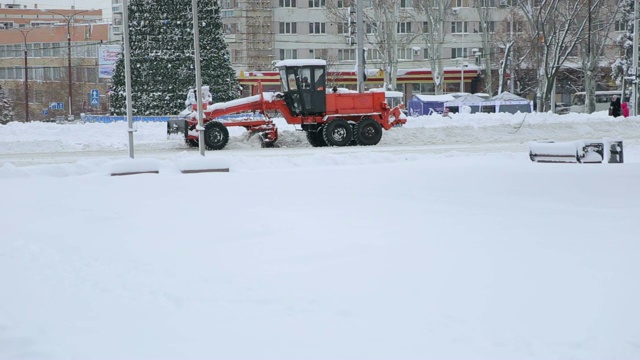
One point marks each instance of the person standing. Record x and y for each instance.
(625, 109)
(305, 83)
(615, 106)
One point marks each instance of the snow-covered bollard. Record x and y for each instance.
(553, 152)
(581, 151)
(590, 151)
(613, 151)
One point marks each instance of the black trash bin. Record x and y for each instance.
(616, 155)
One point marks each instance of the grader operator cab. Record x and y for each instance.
(329, 118)
(303, 85)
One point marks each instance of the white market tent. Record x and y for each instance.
(510, 103)
(427, 104)
(473, 101)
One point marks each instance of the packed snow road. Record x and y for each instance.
(45, 143)
(442, 242)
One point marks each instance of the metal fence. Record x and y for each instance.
(110, 119)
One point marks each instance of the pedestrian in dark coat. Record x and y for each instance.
(614, 106)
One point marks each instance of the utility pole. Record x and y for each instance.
(127, 74)
(25, 33)
(634, 66)
(360, 45)
(463, 64)
(199, 97)
(68, 18)
(512, 78)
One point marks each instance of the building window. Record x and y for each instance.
(458, 27)
(343, 28)
(236, 55)
(490, 25)
(405, 54)
(458, 3)
(372, 28)
(488, 3)
(404, 28)
(288, 54)
(458, 53)
(316, 3)
(427, 88)
(620, 25)
(425, 54)
(346, 54)
(373, 54)
(288, 28)
(519, 26)
(6, 25)
(343, 3)
(406, 3)
(318, 53)
(425, 27)
(317, 28)
(42, 23)
(288, 3)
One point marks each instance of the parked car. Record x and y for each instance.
(562, 108)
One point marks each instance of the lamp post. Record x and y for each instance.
(68, 18)
(464, 65)
(25, 33)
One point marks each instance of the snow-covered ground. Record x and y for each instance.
(442, 242)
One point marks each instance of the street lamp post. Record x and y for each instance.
(68, 19)
(464, 65)
(25, 33)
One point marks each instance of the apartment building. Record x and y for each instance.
(260, 32)
(264, 31)
(59, 50)
(116, 20)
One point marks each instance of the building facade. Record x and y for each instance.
(59, 50)
(261, 32)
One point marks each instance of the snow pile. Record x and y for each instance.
(443, 242)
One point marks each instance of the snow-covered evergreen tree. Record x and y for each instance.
(620, 67)
(6, 108)
(162, 57)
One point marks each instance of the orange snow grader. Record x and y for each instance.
(330, 117)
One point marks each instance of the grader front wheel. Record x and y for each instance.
(216, 135)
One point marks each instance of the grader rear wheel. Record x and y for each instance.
(353, 141)
(315, 138)
(337, 133)
(368, 132)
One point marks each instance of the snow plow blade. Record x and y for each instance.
(177, 126)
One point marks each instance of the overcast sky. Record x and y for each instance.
(104, 5)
